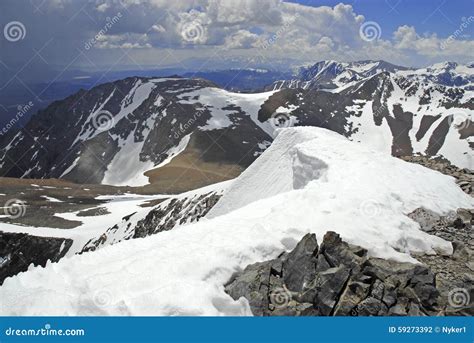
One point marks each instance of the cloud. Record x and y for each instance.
(241, 39)
(268, 29)
(431, 46)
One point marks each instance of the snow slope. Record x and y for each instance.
(322, 182)
(222, 103)
(112, 213)
(117, 220)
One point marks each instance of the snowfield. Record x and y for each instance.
(309, 180)
(94, 225)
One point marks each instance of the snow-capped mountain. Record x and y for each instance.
(144, 130)
(310, 180)
(447, 73)
(392, 108)
(118, 131)
(333, 74)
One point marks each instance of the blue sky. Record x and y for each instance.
(427, 16)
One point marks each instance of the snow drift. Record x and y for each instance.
(309, 180)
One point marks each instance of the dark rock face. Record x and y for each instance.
(78, 138)
(177, 212)
(164, 217)
(426, 122)
(338, 279)
(438, 137)
(339, 111)
(19, 250)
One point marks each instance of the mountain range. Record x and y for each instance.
(180, 193)
(139, 130)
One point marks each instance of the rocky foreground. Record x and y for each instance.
(339, 279)
(19, 251)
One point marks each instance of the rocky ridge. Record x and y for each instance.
(163, 217)
(339, 279)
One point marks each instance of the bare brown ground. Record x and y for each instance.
(185, 172)
(188, 171)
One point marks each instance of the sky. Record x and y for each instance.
(48, 39)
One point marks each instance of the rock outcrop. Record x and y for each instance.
(20, 250)
(164, 217)
(339, 279)
(456, 271)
